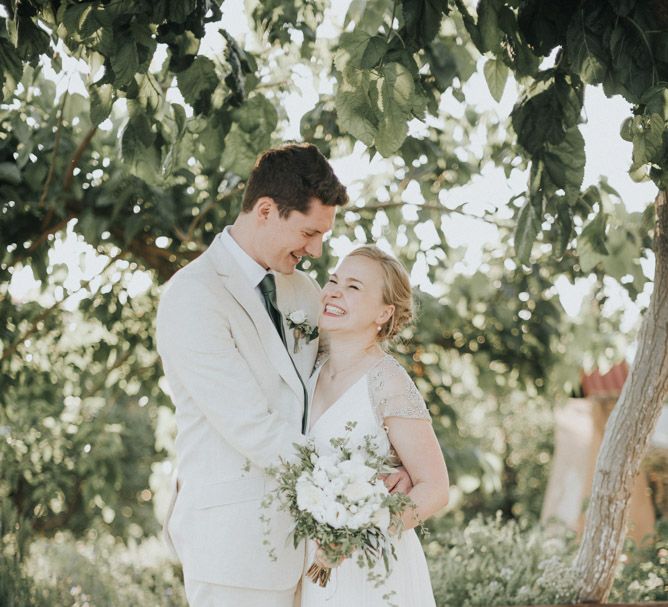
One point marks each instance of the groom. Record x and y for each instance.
(236, 369)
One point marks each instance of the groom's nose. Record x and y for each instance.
(314, 246)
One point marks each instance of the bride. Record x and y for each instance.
(364, 305)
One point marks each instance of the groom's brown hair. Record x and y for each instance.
(292, 175)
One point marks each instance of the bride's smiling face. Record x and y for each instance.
(352, 299)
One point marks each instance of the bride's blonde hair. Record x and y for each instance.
(396, 289)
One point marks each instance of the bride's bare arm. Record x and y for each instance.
(417, 446)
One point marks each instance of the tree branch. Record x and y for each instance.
(76, 157)
(45, 313)
(52, 167)
(430, 207)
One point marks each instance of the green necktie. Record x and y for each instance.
(268, 288)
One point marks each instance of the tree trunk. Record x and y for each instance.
(627, 434)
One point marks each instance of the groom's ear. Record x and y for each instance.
(264, 206)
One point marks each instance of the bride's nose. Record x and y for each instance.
(331, 291)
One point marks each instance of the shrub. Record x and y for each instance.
(491, 562)
(643, 571)
(105, 573)
(495, 562)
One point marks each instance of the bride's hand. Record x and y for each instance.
(398, 481)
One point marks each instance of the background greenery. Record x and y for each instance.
(145, 162)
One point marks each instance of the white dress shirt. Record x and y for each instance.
(251, 269)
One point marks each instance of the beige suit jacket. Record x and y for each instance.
(239, 406)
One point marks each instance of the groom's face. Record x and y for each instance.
(285, 240)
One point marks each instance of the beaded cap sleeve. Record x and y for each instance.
(393, 392)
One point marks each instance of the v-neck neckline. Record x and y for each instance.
(340, 397)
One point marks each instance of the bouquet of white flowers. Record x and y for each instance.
(338, 500)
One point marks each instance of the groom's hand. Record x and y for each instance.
(398, 481)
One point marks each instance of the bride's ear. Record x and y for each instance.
(385, 315)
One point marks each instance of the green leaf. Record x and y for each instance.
(544, 23)
(150, 94)
(124, 61)
(198, 82)
(496, 74)
(594, 233)
(354, 111)
(368, 15)
(101, 101)
(179, 10)
(259, 117)
(136, 138)
(239, 152)
(179, 116)
(526, 230)
(352, 46)
(648, 138)
(31, 41)
(422, 19)
(76, 106)
(397, 88)
(253, 124)
(374, 52)
(392, 130)
(10, 173)
(547, 110)
(564, 221)
(488, 26)
(565, 162)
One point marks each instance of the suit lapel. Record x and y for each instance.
(248, 299)
(288, 301)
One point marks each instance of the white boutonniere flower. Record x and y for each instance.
(301, 329)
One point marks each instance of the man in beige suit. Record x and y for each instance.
(237, 380)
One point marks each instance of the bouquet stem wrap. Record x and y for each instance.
(319, 574)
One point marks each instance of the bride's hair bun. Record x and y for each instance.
(396, 289)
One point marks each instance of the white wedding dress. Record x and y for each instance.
(385, 390)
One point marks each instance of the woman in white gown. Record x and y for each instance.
(365, 303)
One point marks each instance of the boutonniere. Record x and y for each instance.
(301, 329)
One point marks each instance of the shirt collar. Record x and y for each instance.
(251, 269)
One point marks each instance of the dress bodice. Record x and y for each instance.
(385, 390)
(354, 405)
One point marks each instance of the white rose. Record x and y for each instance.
(297, 317)
(338, 484)
(336, 515)
(319, 515)
(359, 490)
(358, 520)
(320, 477)
(380, 490)
(309, 497)
(356, 470)
(328, 463)
(381, 518)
